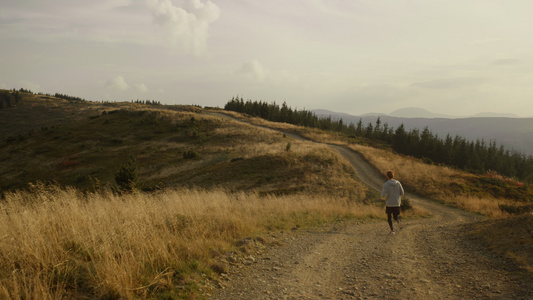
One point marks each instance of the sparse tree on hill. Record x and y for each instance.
(127, 176)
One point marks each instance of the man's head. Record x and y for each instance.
(390, 174)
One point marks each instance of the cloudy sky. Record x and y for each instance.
(458, 57)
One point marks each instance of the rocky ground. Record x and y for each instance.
(433, 258)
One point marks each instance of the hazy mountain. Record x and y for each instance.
(513, 133)
(415, 112)
(494, 115)
(325, 112)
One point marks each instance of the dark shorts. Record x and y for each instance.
(392, 210)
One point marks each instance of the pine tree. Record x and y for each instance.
(127, 176)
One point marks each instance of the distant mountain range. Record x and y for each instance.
(509, 130)
(416, 112)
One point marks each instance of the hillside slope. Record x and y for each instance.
(84, 144)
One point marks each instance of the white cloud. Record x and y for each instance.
(141, 87)
(117, 83)
(188, 26)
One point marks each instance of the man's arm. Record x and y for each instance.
(384, 191)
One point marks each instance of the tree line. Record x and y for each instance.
(477, 156)
(9, 98)
(147, 102)
(67, 97)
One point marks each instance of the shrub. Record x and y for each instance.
(406, 204)
(190, 154)
(427, 161)
(127, 176)
(516, 210)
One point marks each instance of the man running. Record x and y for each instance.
(394, 191)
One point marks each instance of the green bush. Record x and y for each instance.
(406, 204)
(190, 154)
(127, 176)
(516, 210)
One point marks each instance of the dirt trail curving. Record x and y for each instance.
(430, 258)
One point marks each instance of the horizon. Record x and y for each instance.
(486, 114)
(390, 114)
(453, 57)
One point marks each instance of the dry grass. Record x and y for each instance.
(486, 206)
(248, 140)
(433, 181)
(58, 243)
(244, 157)
(511, 237)
(313, 134)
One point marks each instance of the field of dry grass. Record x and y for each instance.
(59, 243)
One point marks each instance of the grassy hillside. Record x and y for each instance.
(84, 144)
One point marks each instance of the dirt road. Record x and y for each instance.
(430, 258)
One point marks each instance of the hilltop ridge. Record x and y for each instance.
(84, 144)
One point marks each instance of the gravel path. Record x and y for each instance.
(429, 258)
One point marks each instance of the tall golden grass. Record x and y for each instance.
(59, 243)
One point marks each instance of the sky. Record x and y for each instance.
(353, 56)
